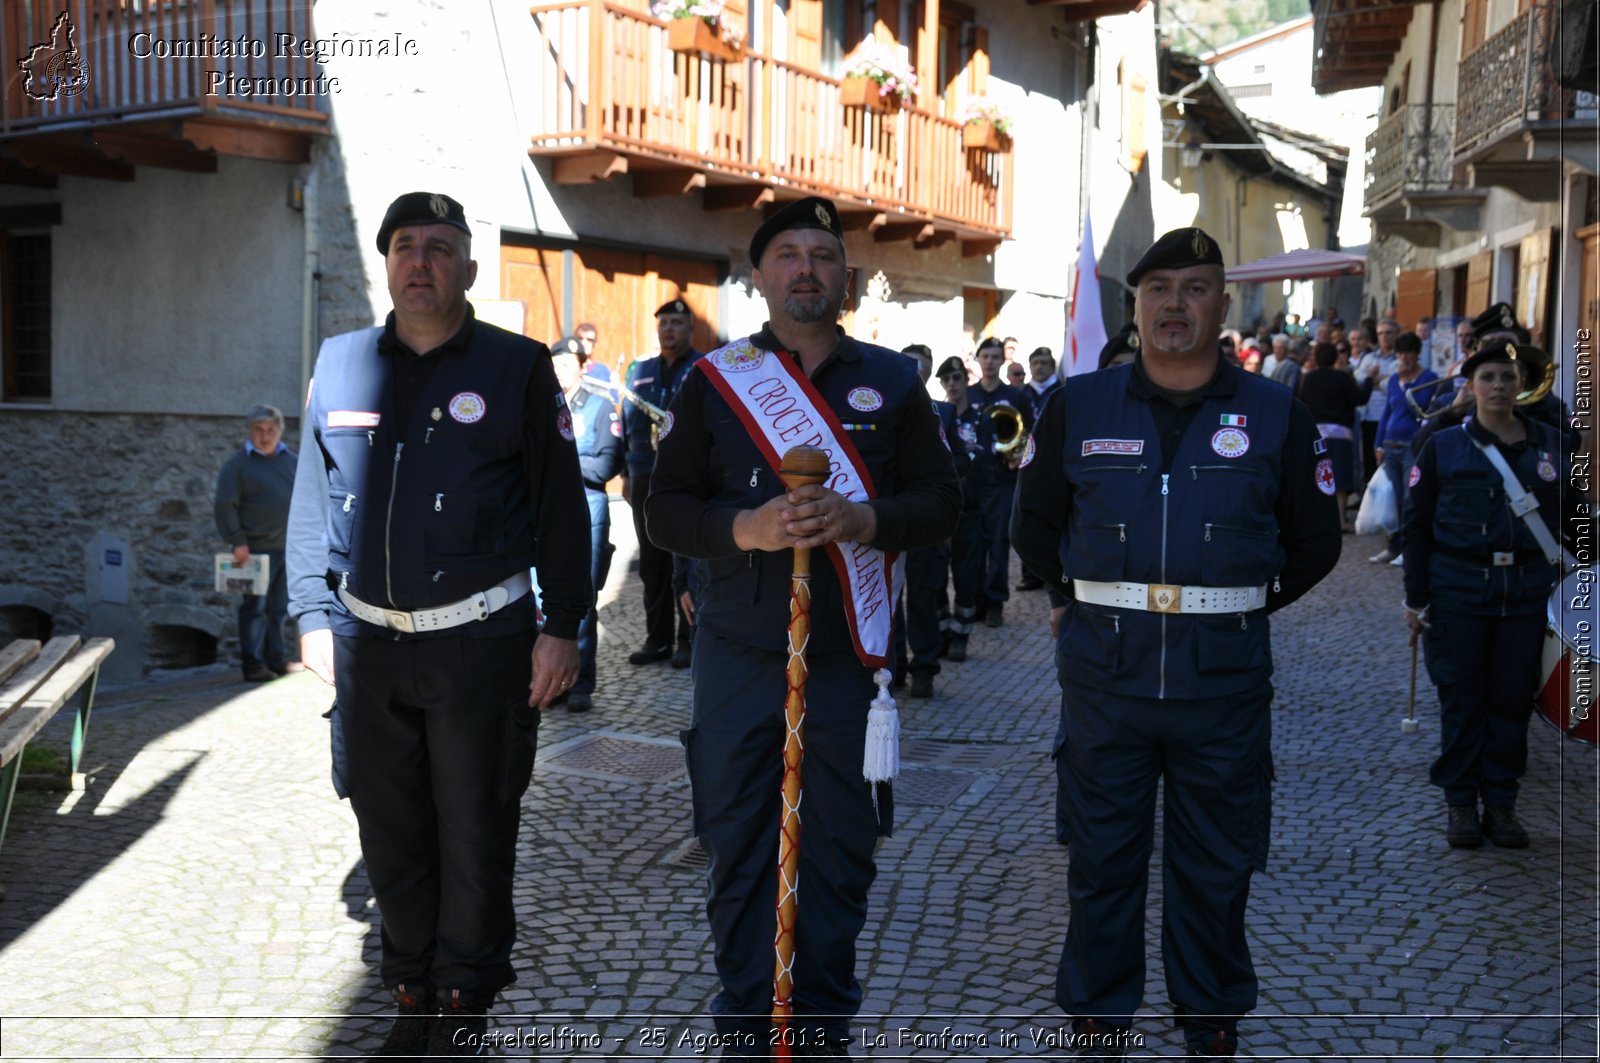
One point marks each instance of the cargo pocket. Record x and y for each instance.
(1092, 640)
(1236, 642)
(690, 737)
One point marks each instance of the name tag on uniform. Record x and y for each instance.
(1502, 558)
(1112, 446)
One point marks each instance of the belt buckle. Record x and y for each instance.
(399, 621)
(1164, 598)
(1503, 558)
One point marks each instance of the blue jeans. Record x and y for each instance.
(1397, 463)
(261, 618)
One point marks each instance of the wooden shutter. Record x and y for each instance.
(1588, 300)
(978, 64)
(887, 27)
(1414, 298)
(1474, 25)
(1137, 86)
(1534, 268)
(1480, 270)
(805, 33)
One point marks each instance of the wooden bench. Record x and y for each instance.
(35, 683)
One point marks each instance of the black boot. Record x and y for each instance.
(1501, 826)
(1463, 831)
(1098, 1039)
(460, 1027)
(413, 1023)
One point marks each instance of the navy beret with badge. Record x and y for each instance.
(674, 306)
(421, 208)
(1498, 318)
(1530, 358)
(813, 212)
(570, 345)
(950, 365)
(1125, 341)
(1178, 249)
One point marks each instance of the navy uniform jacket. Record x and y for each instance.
(948, 430)
(484, 484)
(598, 428)
(1458, 516)
(976, 461)
(1240, 495)
(656, 383)
(1037, 399)
(708, 469)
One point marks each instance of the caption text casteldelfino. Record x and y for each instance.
(145, 45)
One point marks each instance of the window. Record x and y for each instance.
(25, 315)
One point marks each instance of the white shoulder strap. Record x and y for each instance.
(1526, 506)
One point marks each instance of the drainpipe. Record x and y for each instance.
(311, 277)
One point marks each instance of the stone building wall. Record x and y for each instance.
(148, 478)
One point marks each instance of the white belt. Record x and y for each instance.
(1170, 597)
(455, 614)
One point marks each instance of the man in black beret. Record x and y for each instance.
(668, 619)
(717, 497)
(437, 467)
(1179, 500)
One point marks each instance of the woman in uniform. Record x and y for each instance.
(1477, 582)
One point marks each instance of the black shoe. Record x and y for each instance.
(413, 1024)
(577, 702)
(259, 673)
(649, 654)
(1029, 583)
(683, 656)
(1097, 1039)
(958, 649)
(996, 615)
(922, 684)
(828, 1048)
(459, 1029)
(1209, 1042)
(1463, 831)
(1501, 825)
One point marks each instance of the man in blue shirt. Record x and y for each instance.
(252, 514)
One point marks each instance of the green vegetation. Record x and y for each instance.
(1201, 26)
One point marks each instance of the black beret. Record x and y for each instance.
(951, 364)
(1498, 318)
(1124, 341)
(813, 212)
(1529, 357)
(1178, 249)
(570, 345)
(675, 306)
(421, 208)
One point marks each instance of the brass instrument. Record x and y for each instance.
(1010, 431)
(1416, 406)
(1535, 363)
(619, 392)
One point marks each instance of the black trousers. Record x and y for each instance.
(440, 742)
(1487, 672)
(1215, 758)
(664, 621)
(734, 747)
(917, 618)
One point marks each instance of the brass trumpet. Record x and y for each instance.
(1535, 363)
(1010, 431)
(619, 392)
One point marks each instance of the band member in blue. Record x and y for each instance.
(436, 467)
(716, 497)
(1178, 501)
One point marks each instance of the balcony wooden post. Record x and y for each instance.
(598, 40)
(928, 55)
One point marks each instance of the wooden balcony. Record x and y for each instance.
(611, 98)
(170, 83)
(1516, 126)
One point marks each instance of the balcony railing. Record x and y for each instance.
(1410, 151)
(243, 58)
(606, 80)
(1507, 82)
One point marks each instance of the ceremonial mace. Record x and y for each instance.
(801, 465)
(1409, 724)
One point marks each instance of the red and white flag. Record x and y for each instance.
(1086, 327)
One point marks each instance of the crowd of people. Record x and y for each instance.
(449, 527)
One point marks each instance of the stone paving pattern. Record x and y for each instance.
(205, 898)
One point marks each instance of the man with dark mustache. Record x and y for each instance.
(716, 496)
(1177, 500)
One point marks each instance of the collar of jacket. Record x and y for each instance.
(1221, 384)
(846, 350)
(389, 343)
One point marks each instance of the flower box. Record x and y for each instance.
(984, 135)
(864, 92)
(695, 35)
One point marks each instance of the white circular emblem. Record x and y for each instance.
(1416, 476)
(468, 407)
(666, 427)
(738, 357)
(564, 424)
(1027, 454)
(865, 399)
(1230, 442)
(1547, 470)
(1325, 481)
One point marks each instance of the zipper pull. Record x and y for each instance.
(1276, 586)
(349, 500)
(1122, 533)
(437, 574)
(371, 437)
(438, 500)
(1194, 472)
(1208, 532)
(755, 475)
(1116, 625)
(428, 436)
(1244, 624)
(1164, 478)
(344, 580)
(398, 447)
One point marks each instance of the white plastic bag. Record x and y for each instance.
(1377, 506)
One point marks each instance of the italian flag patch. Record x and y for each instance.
(1233, 420)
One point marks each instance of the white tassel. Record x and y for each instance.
(882, 760)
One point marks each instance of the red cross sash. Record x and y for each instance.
(780, 409)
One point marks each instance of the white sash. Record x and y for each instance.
(781, 409)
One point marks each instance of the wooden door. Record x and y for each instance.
(1414, 298)
(1588, 302)
(1535, 284)
(1480, 271)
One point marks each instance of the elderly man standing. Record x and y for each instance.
(252, 514)
(1180, 500)
(437, 466)
(717, 497)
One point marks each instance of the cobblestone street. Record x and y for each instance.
(205, 898)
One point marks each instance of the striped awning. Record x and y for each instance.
(1303, 265)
